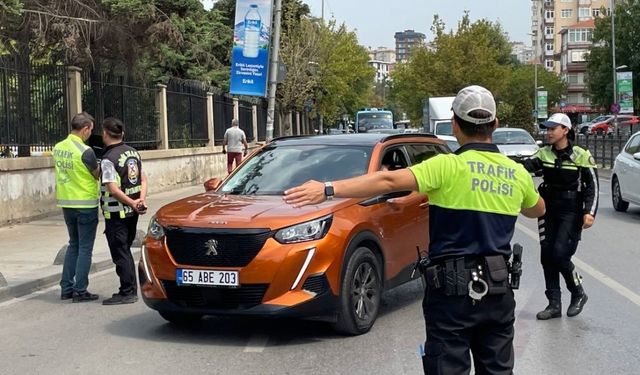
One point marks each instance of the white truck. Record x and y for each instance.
(437, 114)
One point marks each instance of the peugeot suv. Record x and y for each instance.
(239, 249)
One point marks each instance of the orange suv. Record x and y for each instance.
(238, 249)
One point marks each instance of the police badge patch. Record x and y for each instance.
(592, 161)
(132, 171)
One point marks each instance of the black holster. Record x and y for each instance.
(498, 274)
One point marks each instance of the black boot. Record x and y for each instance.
(554, 309)
(578, 299)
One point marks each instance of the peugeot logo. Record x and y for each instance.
(212, 247)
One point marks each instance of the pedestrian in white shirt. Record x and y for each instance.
(234, 140)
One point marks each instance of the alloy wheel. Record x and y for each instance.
(364, 291)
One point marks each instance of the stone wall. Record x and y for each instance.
(27, 185)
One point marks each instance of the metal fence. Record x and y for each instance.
(222, 115)
(245, 112)
(111, 95)
(187, 113)
(33, 106)
(603, 148)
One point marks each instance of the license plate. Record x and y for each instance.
(207, 277)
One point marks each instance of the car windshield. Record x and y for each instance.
(444, 128)
(514, 137)
(276, 169)
(375, 120)
(453, 145)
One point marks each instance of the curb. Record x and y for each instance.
(20, 290)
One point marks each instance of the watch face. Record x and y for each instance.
(328, 191)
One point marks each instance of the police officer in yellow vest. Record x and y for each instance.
(77, 192)
(124, 189)
(570, 190)
(475, 198)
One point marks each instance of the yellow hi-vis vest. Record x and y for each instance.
(75, 185)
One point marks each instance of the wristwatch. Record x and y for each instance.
(328, 190)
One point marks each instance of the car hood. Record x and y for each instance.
(212, 210)
(518, 150)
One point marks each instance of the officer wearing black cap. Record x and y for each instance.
(124, 189)
(475, 197)
(570, 190)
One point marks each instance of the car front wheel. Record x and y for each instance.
(616, 196)
(360, 293)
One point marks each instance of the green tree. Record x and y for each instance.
(345, 79)
(477, 53)
(599, 60)
(519, 92)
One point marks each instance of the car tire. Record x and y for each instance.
(180, 319)
(360, 293)
(616, 196)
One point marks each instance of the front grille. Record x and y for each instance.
(316, 284)
(246, 296)
(232, 248)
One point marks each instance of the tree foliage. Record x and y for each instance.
(599, 61)
(476, 53)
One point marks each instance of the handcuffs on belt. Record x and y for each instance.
(477, 283)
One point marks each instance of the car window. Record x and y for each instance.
(394, 159)
(633, 146)
(420, 153)
(277, 168)
(512, 138)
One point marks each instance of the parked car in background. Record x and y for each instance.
(515, 143)
(450, 140)
(625, 180)
(585, 127)
(608, 126)
(239, 249)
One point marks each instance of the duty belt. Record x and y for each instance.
(472, 276)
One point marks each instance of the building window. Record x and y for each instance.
(549, 14)
(566, 13)
(567, 1)
(548, 64)
(572, 79)
(548, 47)
(584, 12)
(548, 30)
(580, 35)
(578, 56)
(595, 12)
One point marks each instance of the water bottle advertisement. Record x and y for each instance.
(250, 59)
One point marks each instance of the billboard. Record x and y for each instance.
(625, 91)
(250, 56)
(542, 104)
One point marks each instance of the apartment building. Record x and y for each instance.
(405, 42)
(382, 60)
(522, 52)
(550, 17)
(574, 46)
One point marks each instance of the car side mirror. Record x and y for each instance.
(636, 156)
(539, 142)
(212, 184)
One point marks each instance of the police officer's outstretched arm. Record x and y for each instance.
(313, 192)
(532, 204)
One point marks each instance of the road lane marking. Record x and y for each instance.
(256, 344)
(588, 269)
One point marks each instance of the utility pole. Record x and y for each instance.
(321, 120)
(273, 71)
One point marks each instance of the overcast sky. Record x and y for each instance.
(376, 21)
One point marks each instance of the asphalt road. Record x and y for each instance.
(40, 334)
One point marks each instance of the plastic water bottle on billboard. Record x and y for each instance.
(252, 28)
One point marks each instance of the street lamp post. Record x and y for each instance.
(535, 79)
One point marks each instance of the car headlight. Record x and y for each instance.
(155, 230)
(309, 231)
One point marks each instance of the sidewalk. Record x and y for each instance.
(28, 250)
